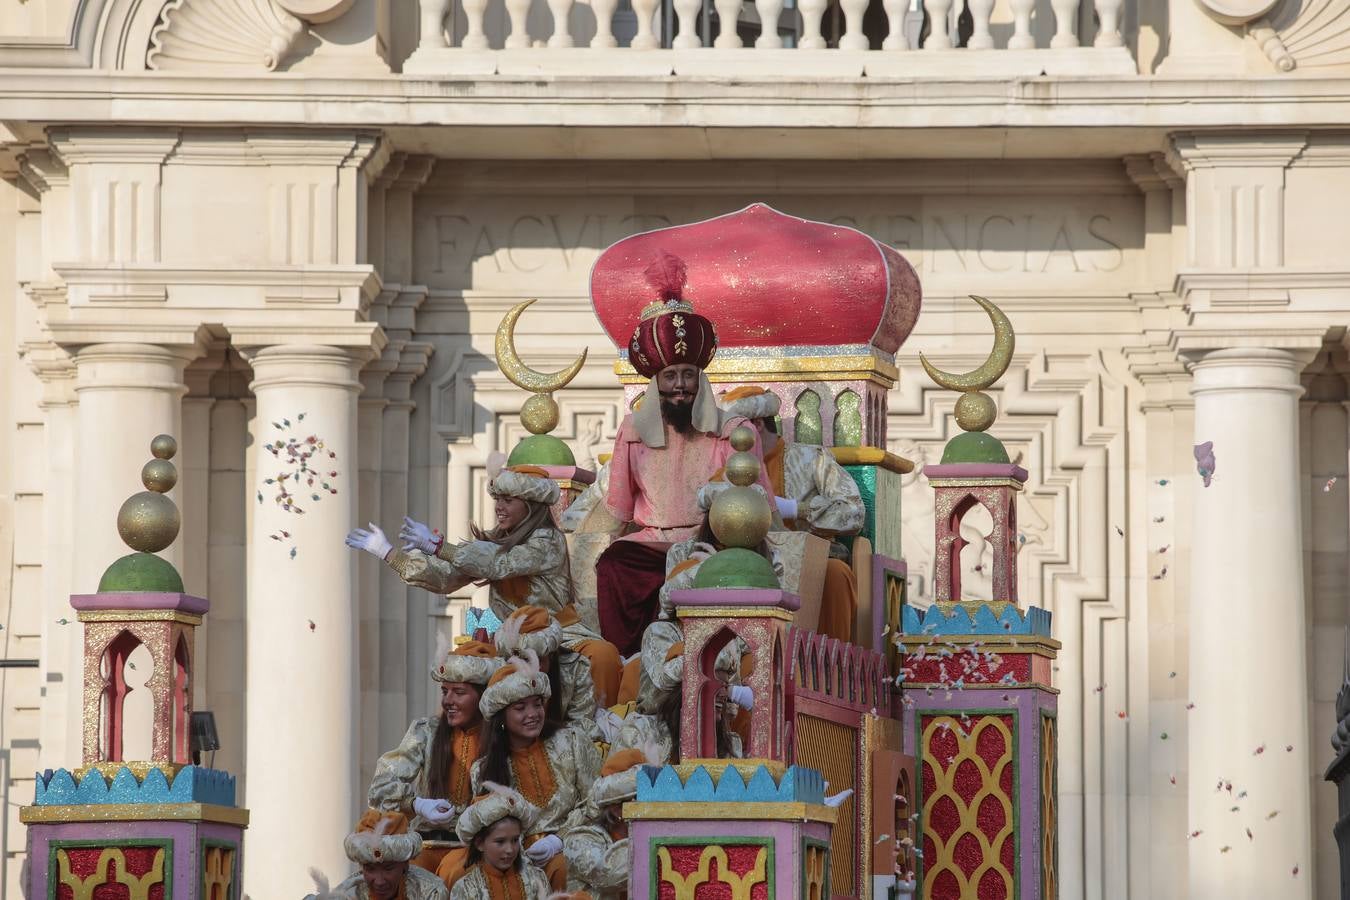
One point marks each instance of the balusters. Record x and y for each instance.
(604, 23)
(769, 11)
(1065, 13)
(812, 11)
(728, 14)
(644, 10)
(980, 38)
(474, 36)
(519, 38)
(686, 28)
(1021, 37)
(1108, 29)
(853, 37)
(562, 31)
(939, 25)
(433, 24)
(895, 25)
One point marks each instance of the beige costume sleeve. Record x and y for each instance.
(399, 773)
(591, 498)
(585, 766)
(544, 551)
(595, 861)
(836, 505)
(574, 670)
(430, 573)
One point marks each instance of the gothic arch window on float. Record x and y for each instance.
(707, 695)
(807, 425)
(116, 687)
(182, 699)
(977, 531)
(848, 423)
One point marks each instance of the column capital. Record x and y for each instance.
(1248, 370)
(147, 146)
(1195, 344)
(301, 365)
(1212, 150)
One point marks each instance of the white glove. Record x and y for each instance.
(415, 535)
(437, 812)
(838, 799)
(787, 507)
(373, 541)
(544, 849)
(742, 696)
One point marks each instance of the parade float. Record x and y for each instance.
(941, 720)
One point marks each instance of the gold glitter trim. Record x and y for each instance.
(142, 615)
(776, 812)
(138, 768)
(747, 768)
(976, 482)
(872, 456)
(134, 812)
(733, 612)
(867, 367)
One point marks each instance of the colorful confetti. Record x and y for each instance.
(1204, 461)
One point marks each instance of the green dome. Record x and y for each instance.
(541, 450)
(736, 568)
(974, 447)
(141, 573)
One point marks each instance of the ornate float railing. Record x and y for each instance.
(839, 698)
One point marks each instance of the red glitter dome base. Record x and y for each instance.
(766, 279)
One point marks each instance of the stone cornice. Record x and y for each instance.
(637, 101)
(279, 284)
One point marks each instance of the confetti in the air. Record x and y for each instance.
(1171, 674)
(1164, 548)
(292, 553)
(1158, 520)
(1121, 714)
(1120, 531)
(1162, 482)
(1204, 461)
(1190, 706)
(1288, 748)
(1272, 814)
(312, 626)
(1250, 836)
(1295, 873)
(1195, 834)
(1172, 778)
(1326, 488)
(1161, 575)
(1225, 848)
(1164, 736)
(1099, 688)
(63, 621)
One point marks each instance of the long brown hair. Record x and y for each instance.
(494, 747)
(539, 515)
(442, 754)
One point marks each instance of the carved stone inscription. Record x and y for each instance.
(506, 243)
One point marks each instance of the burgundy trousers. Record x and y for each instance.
(628, 579)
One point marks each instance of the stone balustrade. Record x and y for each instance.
(1037, 37)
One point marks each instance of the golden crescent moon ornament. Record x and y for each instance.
(992, 368)
(521, 375)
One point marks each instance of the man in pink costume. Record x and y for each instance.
(663, 454)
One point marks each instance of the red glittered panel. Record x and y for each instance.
(942, 742)
(742, 858)
(967, 854)
(84, 864)
(944, 818)
(967, 781)
(944, 886)
(990, 745)
(684, 858)
(766, 279)
(990, 818)
(929, 670)
(992, 885)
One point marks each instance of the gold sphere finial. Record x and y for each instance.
(149, 521)
(163, 446)
(741, 516)
(975, 411)
(539, 414)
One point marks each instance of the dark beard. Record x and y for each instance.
(678, 416)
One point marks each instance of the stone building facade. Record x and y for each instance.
(218, 215)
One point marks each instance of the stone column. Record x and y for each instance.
(127, 394)
(1248, 636)
(303, 701)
